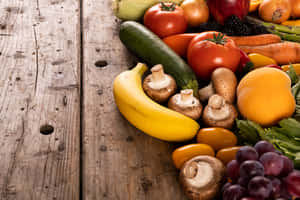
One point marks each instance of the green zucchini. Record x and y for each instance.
(150, 48)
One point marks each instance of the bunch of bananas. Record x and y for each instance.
(147, 115)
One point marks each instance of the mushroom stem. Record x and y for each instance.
(218, 109)
(158, 73)
(187, 96)
(159, 79)
(202, 174)
(216, 102)
(206, 92)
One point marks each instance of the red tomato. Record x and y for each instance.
(204, 56)
(165, 19)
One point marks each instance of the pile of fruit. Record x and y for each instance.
(224, 65)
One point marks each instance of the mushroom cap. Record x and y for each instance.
(193, 110)
(201, 177)
(225, 83)
(225, 113)
(159, 95)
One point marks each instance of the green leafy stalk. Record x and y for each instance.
(276, 27)
(292, 74)
(285, 36)
(247, 132)
(284, 137)
(291, 127)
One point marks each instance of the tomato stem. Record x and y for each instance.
(170, 7)
(218, 39)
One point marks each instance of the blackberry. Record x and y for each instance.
(257, 29)
(211, 25)
(242, 30)
(228, 31)
(233, 21)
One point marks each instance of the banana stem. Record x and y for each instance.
(140, 69)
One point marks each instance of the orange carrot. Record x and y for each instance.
(256, 40)
(180, 42)
(282, 53)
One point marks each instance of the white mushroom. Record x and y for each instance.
(186, 103)
(219, 113)
(201, 177)
(223, 82)
(158, 85)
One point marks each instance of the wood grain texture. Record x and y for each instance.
(39, 85)
(119, 162)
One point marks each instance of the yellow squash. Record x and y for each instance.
(147, 115)
(264, 96)
(135, 9)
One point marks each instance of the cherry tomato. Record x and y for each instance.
(184, 153)
(227, 154)
(165, 19)
(210, 50)
(218, 138)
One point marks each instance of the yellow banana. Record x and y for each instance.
(147, 115)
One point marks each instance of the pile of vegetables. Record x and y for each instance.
(237, 78)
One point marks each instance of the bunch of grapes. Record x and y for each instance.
(261, 173)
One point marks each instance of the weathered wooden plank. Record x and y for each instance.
(119, 162)
(39, 85)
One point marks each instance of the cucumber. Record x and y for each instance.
(150, 48)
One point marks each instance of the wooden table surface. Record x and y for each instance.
(62, 137)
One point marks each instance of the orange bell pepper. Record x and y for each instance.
(291, 23)
(254, 5)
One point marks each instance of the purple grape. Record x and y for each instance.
(243, 181)
(233, 170)
(251, 168)
(272, 162)
(246, 153)
(260, 187)
(278, 152)
(284, 192)
(288, 166)
(248, 198)
(264, 147)
(276, 184)
(227, 185)
(293, 183)
(234, 192)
